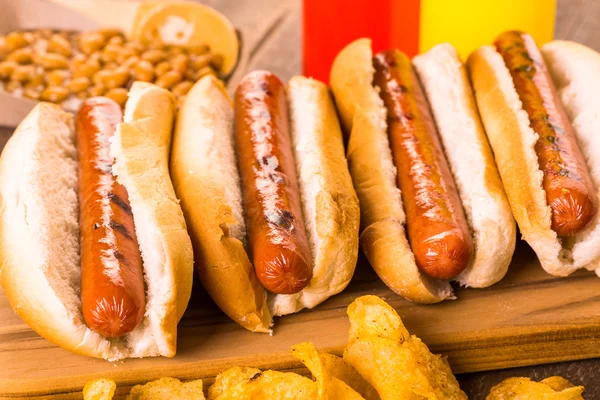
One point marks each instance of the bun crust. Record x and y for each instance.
(513, 140)
(445, 81)
(329, 203)
(383, 238)
(39, 228)
(206, 179)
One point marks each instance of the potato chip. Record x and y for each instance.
(340, 369)
(239, 383)
(329, 388)
(251, 384)
(557, 383)
(168, 388)
(554, 388)
(399, 366)
(100, 389)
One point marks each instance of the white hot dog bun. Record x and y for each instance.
(383, 237)
(513, 140)
(206, 176)
(39, 240)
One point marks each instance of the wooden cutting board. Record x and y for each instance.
(528, 318)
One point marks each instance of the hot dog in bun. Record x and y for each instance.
(267, 195)
(544, 151)
(429, 213)
(95, 253)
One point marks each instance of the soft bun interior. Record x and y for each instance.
(329, 203)
(482, 195)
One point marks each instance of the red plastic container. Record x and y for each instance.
(329, 25)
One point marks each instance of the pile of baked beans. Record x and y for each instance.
(67, 67)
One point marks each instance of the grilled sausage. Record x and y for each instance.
(569, 188)
(437, 228)
(276, 232)
(112, 283)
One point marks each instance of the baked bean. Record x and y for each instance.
(117, 78)
(169, 79)
(7, 68)
(201, 61)
(54, 94)
(154, 56)
(53, 61)
(88, 70)
(179, 63)
(144, 71)
(100, 76)
(37, 79)
(77, 61)
(22, 73)
(15, 40)
(56, 77)
(29, 38)
(96, 90)
(136, 46)
(162, 68)
(90, 42)
(22, 56)
(182, 88)
(78, 85)
(131, 62)
(59, 45)
(119, 95)
(111, 52)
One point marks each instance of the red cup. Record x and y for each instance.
(329, 25)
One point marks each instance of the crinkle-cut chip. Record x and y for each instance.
(168, 388)
(340, 369)
(329, 388)
(251, 384)
(554, 388)
(557, 383)
(399, 366)
(99, 389)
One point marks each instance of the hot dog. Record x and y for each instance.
(553, 196)
(437, 229)
(100, 261)
(112, 282)
(264, 178)
(276, 232)
(452, 207)
(567, 183)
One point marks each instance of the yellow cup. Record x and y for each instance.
(468, 24)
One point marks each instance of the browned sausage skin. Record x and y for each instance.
(112, 283)
(437, 228)
(276, 232)
(569, 188)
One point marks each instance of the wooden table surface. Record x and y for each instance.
(273, 32)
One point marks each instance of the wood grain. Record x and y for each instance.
(529, 318)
